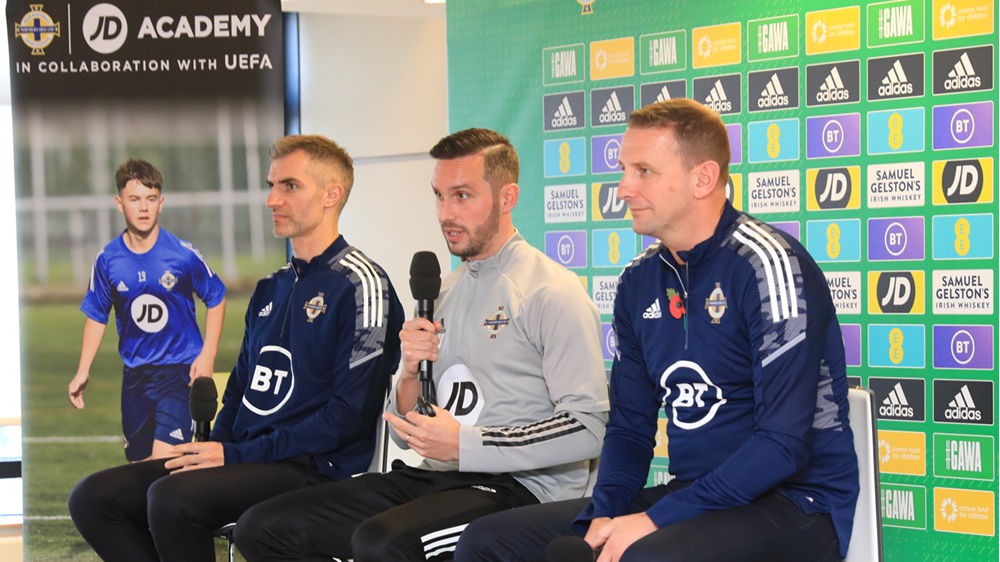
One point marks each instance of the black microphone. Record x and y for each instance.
(425, 284)
(203, 403)
(570, 549)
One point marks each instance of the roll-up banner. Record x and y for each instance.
(865, 130)
(193, 87)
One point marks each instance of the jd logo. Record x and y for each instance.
(272, 383)
(611, 206)
(460, 394)
(895, 292)
(833, 188)
(691, 394)
(962, 181)
(105, 28)
(149, 313)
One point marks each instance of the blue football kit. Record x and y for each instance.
(741, 347)
(158, 336)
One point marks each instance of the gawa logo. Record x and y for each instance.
(963, 70)
(773, 89)
(272, 383)
(833, 83)
(721, 93)
(692, 396)
(896, 77)
(899, 399)
(963, 401)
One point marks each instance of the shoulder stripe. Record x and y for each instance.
(366, 299)
(775, 314)
(191, 247)
(786, 262)
(360, 259)
(93, 268)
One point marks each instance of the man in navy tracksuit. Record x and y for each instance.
(302, 403)
(727, 324)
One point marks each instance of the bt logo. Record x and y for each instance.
(272, 382)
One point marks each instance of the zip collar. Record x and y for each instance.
(706, 248)
(302, 267)
(500, 261)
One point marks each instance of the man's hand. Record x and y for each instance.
(617, 534)
(76, 388)
(193, 456)
(420, 343)
(203, 366)
(434, 438)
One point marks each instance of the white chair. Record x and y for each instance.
(866, 536)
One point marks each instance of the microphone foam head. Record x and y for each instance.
(425, 276)
(569, 549)
(204, 399)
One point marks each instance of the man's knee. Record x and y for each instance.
(87, 497)
(167, 499)
(481, 543)
(260, 532)
(380, 538)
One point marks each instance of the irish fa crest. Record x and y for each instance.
(716, 304)
(168, 280)
(36, 29)
(497, 322)
(315, 307)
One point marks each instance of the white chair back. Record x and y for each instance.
(866, 537)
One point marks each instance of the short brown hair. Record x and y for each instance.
(500, 163)
(701, 135)
(335, 164)
(135, 169)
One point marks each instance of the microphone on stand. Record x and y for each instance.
(425, 284)
(203, 403)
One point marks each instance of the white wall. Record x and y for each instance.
(378, 86)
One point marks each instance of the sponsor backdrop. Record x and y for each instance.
(867, 130)
(195, 88)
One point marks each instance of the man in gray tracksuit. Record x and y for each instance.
(520, 385)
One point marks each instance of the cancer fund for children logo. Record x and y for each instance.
(716, 45)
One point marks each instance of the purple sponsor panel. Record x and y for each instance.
(567, 247)
(791, 227)
(963, 347)
(647, 241)
(966, 125)
(833, 136)
(735, 131)
(897, 238)
(604, 151)
(610, 341)
(852, 344)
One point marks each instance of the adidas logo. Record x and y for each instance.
(773, 95)
(266, 311)
(653, 312)
(177, 434)
(896, 404)
(612, 111)
(664, 94)
(962, 407)
(833, 88)
(121, 287)
(895, 82)
(564, 115)
(717, 99)
(963, 76)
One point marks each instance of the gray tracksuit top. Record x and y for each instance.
(520, 367)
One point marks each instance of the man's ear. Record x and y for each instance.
(708, 177)
(334, 194)
(509, 195)
(119, 204)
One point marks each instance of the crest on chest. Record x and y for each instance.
(496, 322)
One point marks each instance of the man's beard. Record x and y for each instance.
(482, 236)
